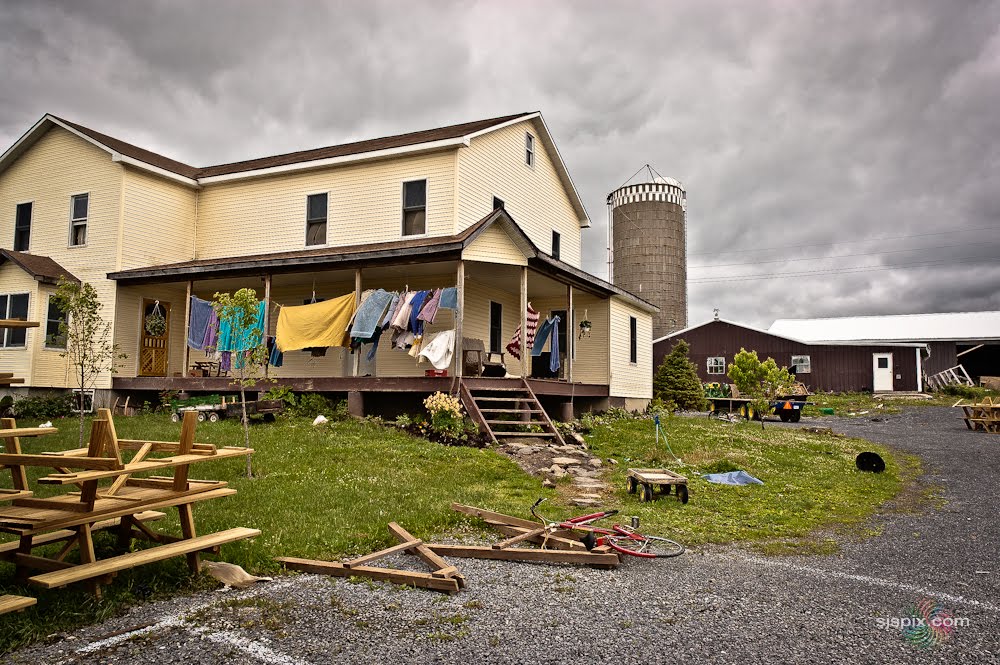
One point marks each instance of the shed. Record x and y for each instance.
(837, 367)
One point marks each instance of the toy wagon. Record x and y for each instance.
(645, 481)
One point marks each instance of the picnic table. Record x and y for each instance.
(982, 416)
(106, 496)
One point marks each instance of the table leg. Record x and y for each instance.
(125, 532)
(187, 528)
(86, 540)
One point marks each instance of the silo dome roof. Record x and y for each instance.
(668, 181)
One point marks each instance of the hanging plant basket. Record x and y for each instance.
(585, 327)
(155, 323)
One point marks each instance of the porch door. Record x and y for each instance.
(882, 372)
(153, 338)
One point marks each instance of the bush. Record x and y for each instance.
(44, 407)
(310, 405)
(676, 380)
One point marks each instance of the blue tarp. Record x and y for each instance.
(733, 478)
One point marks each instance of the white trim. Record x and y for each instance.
(708, 366)
(139, 164)
(920, 373)
(333, 161)
(493, 128)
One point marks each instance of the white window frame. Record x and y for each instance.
(6, 314)
(305, 236)
(711, 367)
(45, 330)
(31, 222)
(802, 367)
(529, 150)
(75, 222)
(402, 207)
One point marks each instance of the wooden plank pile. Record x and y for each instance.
(561, 547)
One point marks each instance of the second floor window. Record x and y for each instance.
(22, 227)
(414, 208)
(14, 306)
(556, 241)
(316, 209)
(529, 149)
(79, 209)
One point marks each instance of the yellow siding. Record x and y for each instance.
(631, 379)
(49, 368)
(495, 246)
(494, 166)
(18, 360)
(590, 365)
(365, 206)
(159, 221)
(128, 325)
(57, 166)
(476, 324)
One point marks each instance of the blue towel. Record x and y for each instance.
(554, 356)
(542, 336)
(369, 315)
(733, 478)
(201, 312)
(416, 325)
(449, 298)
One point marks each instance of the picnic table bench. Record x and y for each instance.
(982, 416)
(107, 496)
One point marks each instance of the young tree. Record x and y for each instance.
(240, 312)
(89, 345)
(760, 382)
(677, 381)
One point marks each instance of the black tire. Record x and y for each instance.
(785, 417)
(796, 416)
(213, 417)
(175, 418)
(269, 418)
(631, 484)
(201, 416)
(645, 492)
(682, 493)
(645, 547)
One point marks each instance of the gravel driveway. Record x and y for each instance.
(721, 606)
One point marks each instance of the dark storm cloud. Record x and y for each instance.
(827, 124)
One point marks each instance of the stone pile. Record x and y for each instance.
(554, 462)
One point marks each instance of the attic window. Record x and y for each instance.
(415, 208)
(316, 211)
(529, 149)
(556, 242)
(22, 227)
(79, 209)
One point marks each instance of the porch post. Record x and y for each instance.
(357, 301)
(525, 351)
(267, 317)
(187, 331)
(459, 318)
(570, 338)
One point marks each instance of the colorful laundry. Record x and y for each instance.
(514, 346)
(234, 338)
(369, 314)
(416, 325)
(430, 309)
(449, 298)
(201, 314)
(320, 325)
(440, 349)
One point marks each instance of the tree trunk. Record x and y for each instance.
(79, 405)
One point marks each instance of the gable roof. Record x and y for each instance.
(42, 268)
(771, 333)
(946, 326)
(413, 142)
(427, 248)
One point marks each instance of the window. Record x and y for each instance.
(414, 208)
(496, 326)
(316, 209)
(54, 339)
(497, 203)
(14, 306)
(556, 238)
(79, 207)
(529, 149)
(883, 363)
(801, 364)
(633, 340)
(22, 227)
(717, 365)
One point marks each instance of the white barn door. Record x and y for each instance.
(882, 372)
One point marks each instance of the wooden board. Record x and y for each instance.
(490, 516)
(89, 463)
(525, 554)
(140, 467)
(65, 534)
(88, 571)
(15, 603)
(27, 431)
(408, 578)
(440, 566)
(17, 323)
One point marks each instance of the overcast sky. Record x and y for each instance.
(845, 135)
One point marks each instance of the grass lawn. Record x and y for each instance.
(867, 404)
(326, 492)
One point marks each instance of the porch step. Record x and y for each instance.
(480, 399)
(486, 398)
(520, 434)
(511, 410)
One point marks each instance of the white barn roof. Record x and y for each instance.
(955, 326)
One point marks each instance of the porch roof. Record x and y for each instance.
(416, 250)
(42, 268)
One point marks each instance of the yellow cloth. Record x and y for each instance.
(320, 324)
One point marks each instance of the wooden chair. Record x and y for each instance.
(473, 351)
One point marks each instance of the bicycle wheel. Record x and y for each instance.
(640, 545)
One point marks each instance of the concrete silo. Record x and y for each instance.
(649, 247)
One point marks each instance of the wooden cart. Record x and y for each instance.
(645, 481)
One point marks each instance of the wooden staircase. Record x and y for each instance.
(502, 407)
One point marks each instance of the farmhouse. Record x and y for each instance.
(484, 213)
(837, 367)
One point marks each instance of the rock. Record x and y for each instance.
(557, 471)
(595, 462)
(588, 483)
(579, 471)
(589, 496)
(548, 483)
(587, 503)
(565, 461)
(576, 436)
(612, 462)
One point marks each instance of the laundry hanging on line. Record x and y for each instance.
(321, 324)
(201, 314)
(514, 346)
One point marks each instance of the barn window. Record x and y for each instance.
(716, 365)
(801, 364)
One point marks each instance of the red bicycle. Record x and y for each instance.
(621, 538)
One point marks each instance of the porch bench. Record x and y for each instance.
(10, 603)
(87, 571)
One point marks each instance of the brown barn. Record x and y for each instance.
(840, 367)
